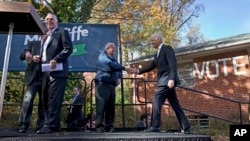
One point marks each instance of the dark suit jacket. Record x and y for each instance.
(140, 124)
(76, 115)
(77, 107)
(32, 72)
(59, 49)
(166, 65)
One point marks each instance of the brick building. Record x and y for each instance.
(209, 72)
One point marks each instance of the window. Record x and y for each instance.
(186, 76)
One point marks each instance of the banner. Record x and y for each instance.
(88, 41)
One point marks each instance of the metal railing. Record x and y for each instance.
(137, 82)
(21, 92)
(146, 102)
(202, 93)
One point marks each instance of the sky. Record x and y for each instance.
(224, 18)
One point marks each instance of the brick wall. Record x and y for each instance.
(224, 75)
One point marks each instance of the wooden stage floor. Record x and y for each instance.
(30, 135)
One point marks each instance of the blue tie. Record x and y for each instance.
(71, 108)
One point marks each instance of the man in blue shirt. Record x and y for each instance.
(108, 76)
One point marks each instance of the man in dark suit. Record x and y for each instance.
(57, 47)
(33, 83)
(167, 80)
(144, 122)
(75, 116)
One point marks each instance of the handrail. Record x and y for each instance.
(219, 97)
(197, 92)
(23, 90)
(144, 103)
(122, 104)
(84, 92)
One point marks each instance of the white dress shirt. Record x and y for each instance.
(159, 48)
(45, 45)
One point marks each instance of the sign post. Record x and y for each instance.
(23, 16)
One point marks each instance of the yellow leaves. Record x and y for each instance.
(155, 10)
(140, 18)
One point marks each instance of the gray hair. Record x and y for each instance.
(157, 36)
(55, 17)
(108, 45)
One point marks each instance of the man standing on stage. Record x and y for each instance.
(57, 48)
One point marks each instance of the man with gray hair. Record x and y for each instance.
(167, 80)
(56, 49)
(108, 76)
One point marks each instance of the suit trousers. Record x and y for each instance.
(105, 105)
(27, 107)
(159, 98)
(53, 91)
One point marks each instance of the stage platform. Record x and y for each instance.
(64, 135)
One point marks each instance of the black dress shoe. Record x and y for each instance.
(100, 130)
(109, 129)
(37, 129)
(152, 129)
(44, 130)
(21, 130)
(112, 129)
(190, 130)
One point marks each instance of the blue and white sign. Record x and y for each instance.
(88, 40)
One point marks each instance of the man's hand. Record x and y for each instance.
(133, 70)
(128, 69)
(67, 103)
(52, 64)
(170, 84)
(36, 58)
(28, 57)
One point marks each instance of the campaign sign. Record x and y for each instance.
(240, 132)
(88, 42)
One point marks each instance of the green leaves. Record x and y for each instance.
(71, 11)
